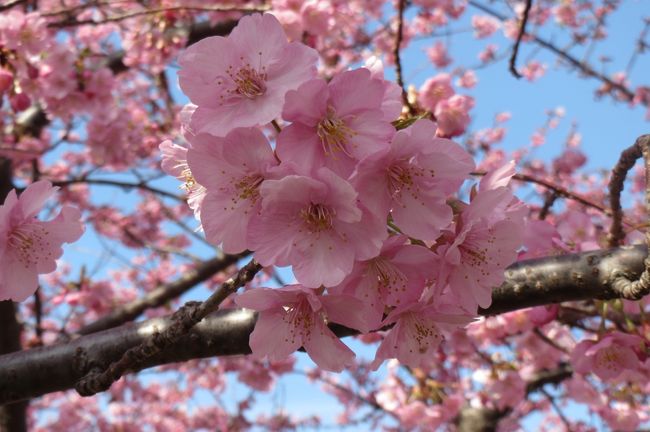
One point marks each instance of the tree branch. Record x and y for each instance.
(42, 370)
(162, 294)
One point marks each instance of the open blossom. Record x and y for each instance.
(335, 124)
(314, 224)
(231, 169)
(614, 355)
(486, 239)
(395, 277)
(417, 333)
(29, 247)
(413, 179)
(452, 115)
(435, 90)
(241, 80)
(295, 316)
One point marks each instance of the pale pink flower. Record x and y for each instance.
(417, 333)
(489, 53)
(435, 90)
(467, 79)
(231, 169)
(241, 80)
(533, 70)
(335, 124)
(485, 241)
(484, 26)
(174, 163)
(438, 55)
(296, 316)
(614, 355)
(29, 247)
(315, 225)
(413, 179)
(507, 390)
(452, 115)
(621, 416)
(395, 277)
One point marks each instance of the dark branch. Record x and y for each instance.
(529, 283)
(520, 36)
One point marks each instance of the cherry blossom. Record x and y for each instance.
(241, 80)
(29, 247)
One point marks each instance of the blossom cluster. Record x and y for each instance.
(364, 210)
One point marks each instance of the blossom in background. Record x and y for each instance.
(241, 80)
(29, 247)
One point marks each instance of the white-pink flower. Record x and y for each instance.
(315, 225)
(241, 80)
(29, 247)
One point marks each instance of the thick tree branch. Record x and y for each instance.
(528, 283)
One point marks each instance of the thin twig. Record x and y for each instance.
(396, 52)
(582, 66)
(127, 185)
(183, 320)
(74, 22)
(520, 36)
(557, 410)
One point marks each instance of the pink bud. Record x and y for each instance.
(20, 102)
(6, 80)
(32, 71)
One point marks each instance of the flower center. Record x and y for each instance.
(334, 134)
(248, 187)
(27, 240)
(249, 83)
(301, 320)
(317, 217)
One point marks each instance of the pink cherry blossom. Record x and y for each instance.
(174, 163)
(231, 169)
(615, 354)
(241, 80)
(413, 179)
(335, 124)
(487, 236)
(295, 316)
(452, 115)
(438, 55)
(29, 247)
(484, 26)
(395, 277)
(417, 333)
(316, 225)
(435, 90)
